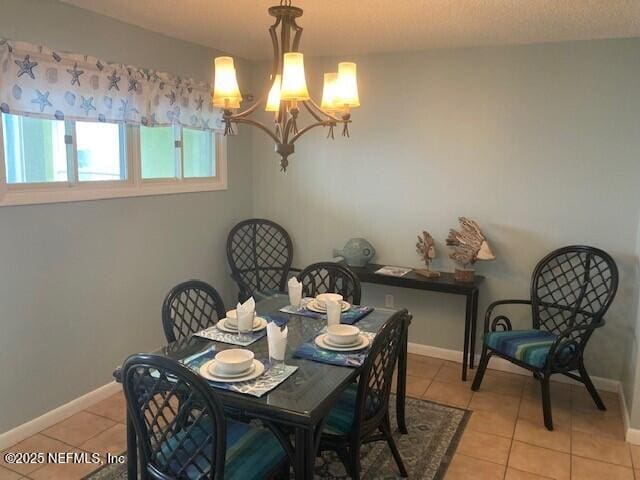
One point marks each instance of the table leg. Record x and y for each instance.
(305, 453)
(474, 323)
(401, 391)
(467, 325)
(132, 450)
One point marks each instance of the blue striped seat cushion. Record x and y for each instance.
(528, 346)
(252, 453)
(341, 416)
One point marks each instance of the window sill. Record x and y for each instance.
(43, 193)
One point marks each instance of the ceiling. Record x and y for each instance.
(344, 27)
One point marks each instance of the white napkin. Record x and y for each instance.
(277, 341)
(295, 292)
(334, 311)
(246, 313)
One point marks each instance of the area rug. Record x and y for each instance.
(434, 432)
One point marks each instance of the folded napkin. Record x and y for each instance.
(256, 387)
(310, 351)
(351, 316)
(277, 340)
(245, 313)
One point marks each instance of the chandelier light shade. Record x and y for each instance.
(294, 83)
(273, 100)
(226, 93)
(330, 93)
(287, 92)
(347, 91)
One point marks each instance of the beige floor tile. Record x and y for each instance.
(581, 400)
(497, 423)
(494, 402)
(600, 448)
(535, 433)
(532, 410)
(6, 474)
(113, 408)
(485, 446)
(586, 469)
(416, 386)
(450, 373)
(513, 474)
(79, 428)
(541, 461)
(112, 440)
(635, 455)
(424, 369)
(503, 383)
(560, 394)
(465, 468)
(448, 393)
(64, 471)
(37, 443)
(596, 424)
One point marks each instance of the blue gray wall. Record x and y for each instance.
(81, 284)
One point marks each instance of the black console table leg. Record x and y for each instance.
(474, 322)
(401, 391)
(467, 327)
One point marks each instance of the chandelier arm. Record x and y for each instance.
(276, 47)
(320, 111)
(324, 123)
(296, 38)
(257, 124)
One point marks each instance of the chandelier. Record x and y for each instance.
(287, 90)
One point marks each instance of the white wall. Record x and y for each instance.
(539, 144)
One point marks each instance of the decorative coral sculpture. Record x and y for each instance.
(426, 248)
(469, 245)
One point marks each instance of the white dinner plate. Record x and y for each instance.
(315, 307)
(259, 324)
(364, 343)
(355, 343)
(208, 372)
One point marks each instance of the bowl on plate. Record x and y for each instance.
(343, 334)
(323, 298)
(232, 318)
(234, 361)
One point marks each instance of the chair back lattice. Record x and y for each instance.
(374, 384)
(190, 307)
(179, 423)
(330, 277)
(260, 253)
(572, 286)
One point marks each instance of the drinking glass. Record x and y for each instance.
(334, 312)
(277, 350)
(245, 327)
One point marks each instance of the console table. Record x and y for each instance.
(445, 284)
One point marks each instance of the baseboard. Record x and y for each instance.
(26, 430)
(496, 363)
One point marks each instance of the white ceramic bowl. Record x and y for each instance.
(232, 318)
(343, 334)
(234, 361)
(323, 298)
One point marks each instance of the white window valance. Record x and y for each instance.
(38, 81)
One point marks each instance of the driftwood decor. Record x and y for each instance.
(426, 248)
(469, 245)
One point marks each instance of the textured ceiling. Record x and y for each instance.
(343, 27)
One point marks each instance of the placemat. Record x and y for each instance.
(310, 351)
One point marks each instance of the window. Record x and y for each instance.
(101, 155)
(62, 160)
(34, 150)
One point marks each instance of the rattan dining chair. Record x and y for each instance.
(260, 253)
(330, 277)
(181, 429)
(571, 290)
(361, 413)
(190, 307)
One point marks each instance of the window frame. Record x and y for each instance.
(74, 190)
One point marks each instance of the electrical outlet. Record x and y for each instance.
(388, 301)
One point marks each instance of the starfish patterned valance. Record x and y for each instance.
(38, 81)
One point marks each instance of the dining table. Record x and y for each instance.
(297, 408)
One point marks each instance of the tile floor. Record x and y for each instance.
(505, 437)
